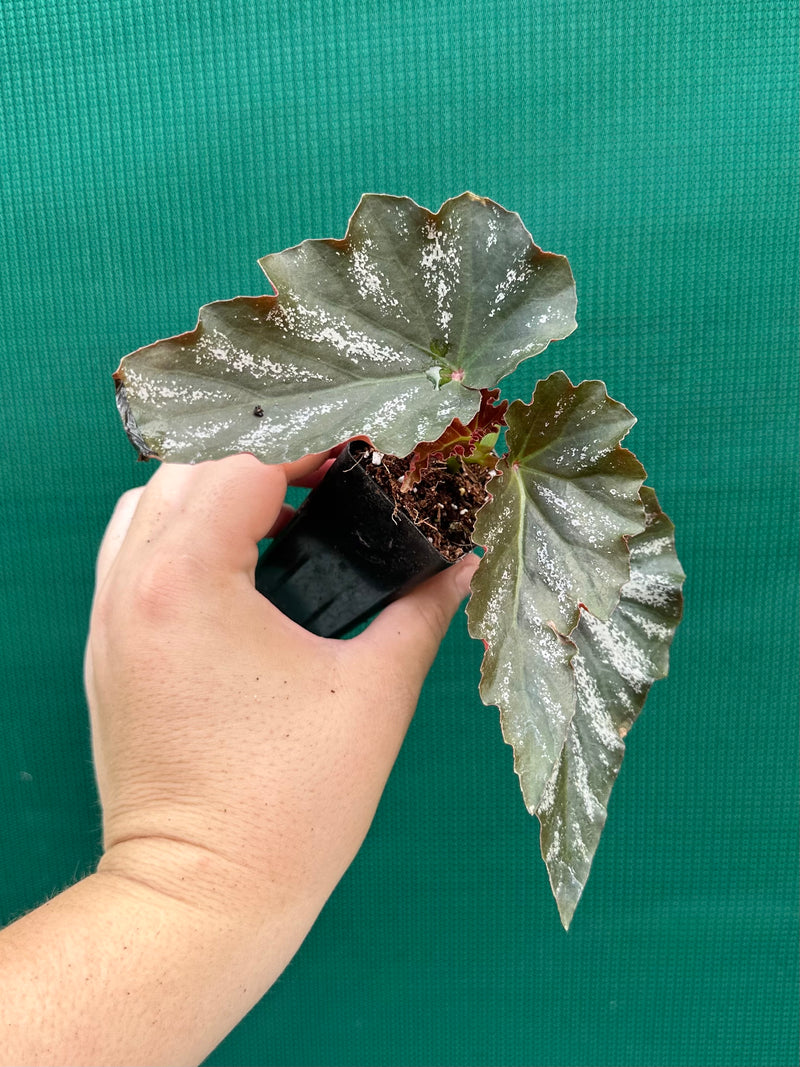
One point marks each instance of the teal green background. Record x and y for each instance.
(150, 152)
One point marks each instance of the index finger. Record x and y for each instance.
(309, 471)
(214, 512)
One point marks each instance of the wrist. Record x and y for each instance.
(151, 959)
(209, 883)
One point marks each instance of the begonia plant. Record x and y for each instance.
(401, 333)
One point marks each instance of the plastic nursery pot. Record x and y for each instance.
(346, 553)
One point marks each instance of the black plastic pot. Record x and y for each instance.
(345, 554)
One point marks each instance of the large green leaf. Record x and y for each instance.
(555, 531)
(389, 332)
(616, 663)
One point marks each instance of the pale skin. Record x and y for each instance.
(239, 762)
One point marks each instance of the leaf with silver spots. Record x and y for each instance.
(555, 532)
(615, 664)
(390, 333)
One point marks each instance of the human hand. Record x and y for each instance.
(235, 752)
(239, 761)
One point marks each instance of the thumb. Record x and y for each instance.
(411, 629)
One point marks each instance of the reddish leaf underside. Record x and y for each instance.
(461, 440)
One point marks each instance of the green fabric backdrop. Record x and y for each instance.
(149, 153)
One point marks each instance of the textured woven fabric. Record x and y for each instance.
(149, 153)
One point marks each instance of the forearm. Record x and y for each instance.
(153, 970)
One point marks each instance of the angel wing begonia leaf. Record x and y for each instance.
(389, 332)
(615, 664)
(555, 531)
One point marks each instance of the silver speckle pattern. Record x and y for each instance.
(344, 347)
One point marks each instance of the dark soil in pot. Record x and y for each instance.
(358, 541)
(442, 505)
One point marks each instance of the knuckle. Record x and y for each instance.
(162, 588)
(129, 498)
(155, 594)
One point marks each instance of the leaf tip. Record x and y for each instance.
(566, 909)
